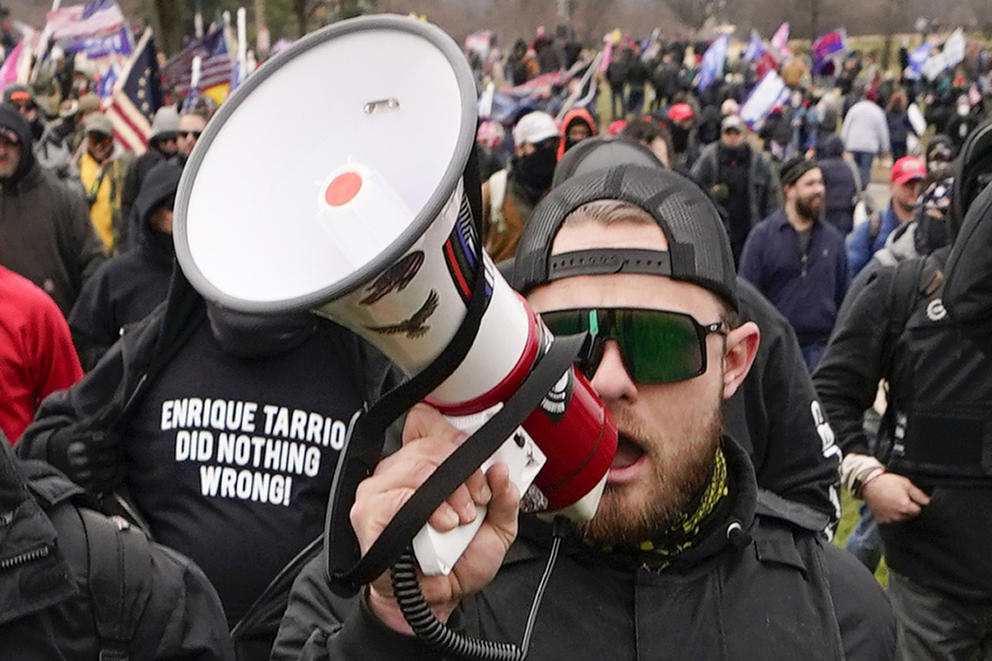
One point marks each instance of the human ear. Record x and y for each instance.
(740, 349)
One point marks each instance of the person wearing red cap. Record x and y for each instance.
(682, 120)
(868, 237)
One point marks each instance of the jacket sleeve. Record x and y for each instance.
(793, 451)
(319, 625)
(773, 191)
(751, 259)
(703, 170)
(183, 618)
(848, 375)
(864, 616)
(90, 321)
(858, 248)
(93, 402)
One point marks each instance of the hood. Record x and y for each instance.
(572, 116)
(13, 120)
(900, 245)
(832, 147)
(973, 163)
(159, 185)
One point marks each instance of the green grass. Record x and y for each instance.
(848, 519)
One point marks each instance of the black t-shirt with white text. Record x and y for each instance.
(231, 460)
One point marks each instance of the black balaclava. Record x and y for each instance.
(680, 138)
(259, 336)
(931, 217)
(536, 170)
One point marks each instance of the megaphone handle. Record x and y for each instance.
(464, 461)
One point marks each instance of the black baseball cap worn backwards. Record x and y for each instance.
(698, 247)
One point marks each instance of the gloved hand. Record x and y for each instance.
(91, 458)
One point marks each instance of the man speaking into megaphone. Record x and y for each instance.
(682, 559)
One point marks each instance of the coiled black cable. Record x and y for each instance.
(432, 631)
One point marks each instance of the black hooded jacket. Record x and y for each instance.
(128, 287)
(838, 180)
(776, 592)
(262, 507)
(47, 600)
(45, 229)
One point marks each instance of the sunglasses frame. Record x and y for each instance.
(592, 352)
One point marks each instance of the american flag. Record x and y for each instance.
(80, 21)
(137, 96)
(216, 68)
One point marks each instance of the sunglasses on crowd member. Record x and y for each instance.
(658, 346)
(190, 134)
(23, 107)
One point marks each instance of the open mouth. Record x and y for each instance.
(628, 452)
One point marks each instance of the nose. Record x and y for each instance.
(611, 380)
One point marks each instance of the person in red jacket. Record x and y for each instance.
(36, 352)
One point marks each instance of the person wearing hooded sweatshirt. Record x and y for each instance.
(162, 144)
(128, 287)
(52, 599)
(924, 481)
(45, 229)
(576, 126)
(224, 429)
(741, 180)
(913, 240)
(840, 181)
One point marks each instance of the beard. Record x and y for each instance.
(681, 457)
(810, 207)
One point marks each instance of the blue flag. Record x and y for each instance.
(755, 48)
(917, 58)
(713, 60)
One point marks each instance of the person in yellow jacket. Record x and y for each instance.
(102, 175)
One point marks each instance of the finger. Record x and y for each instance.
(910, 510)
(444, 518)
(917, 495)
(423, 421)
(502, 511)
(478, 487)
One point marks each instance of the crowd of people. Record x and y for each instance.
(772, 320)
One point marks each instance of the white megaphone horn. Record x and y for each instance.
(332, 180)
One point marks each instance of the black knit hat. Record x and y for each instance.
(698, 247)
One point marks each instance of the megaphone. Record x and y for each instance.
(332, 180)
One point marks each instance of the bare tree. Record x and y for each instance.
(693, 12)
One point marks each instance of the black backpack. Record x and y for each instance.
(118, 565)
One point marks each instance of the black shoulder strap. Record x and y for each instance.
(903, 292)
(119, 562)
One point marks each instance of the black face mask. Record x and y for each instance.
(680, 138)
(258, 336)
(931, 233)
(535, 171)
